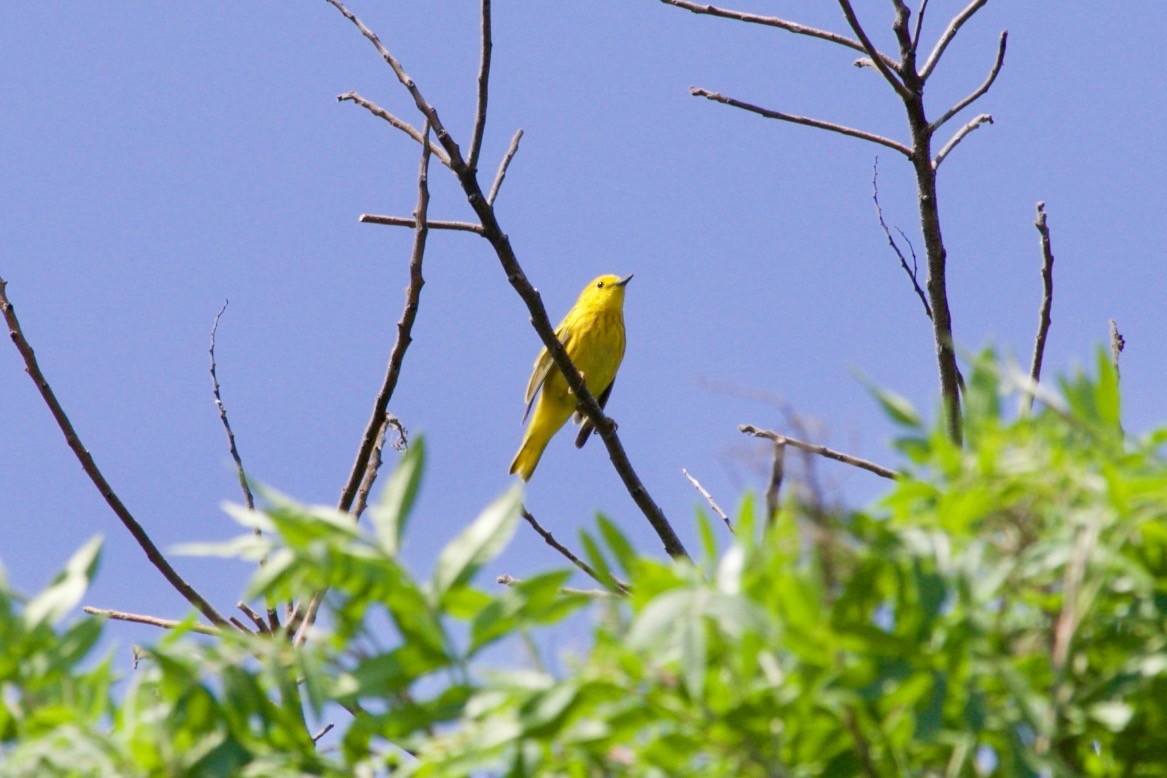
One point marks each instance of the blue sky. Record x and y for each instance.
(156, 159)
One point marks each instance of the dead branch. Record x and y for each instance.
(371, 470)
(773, 21)
(947, 36)
(980, 91)
(411, 223)
(567, 553)
(400, 124)
(708, 498)
(153, 621)
(483, 90)
(911, 271)
(1047, 300)
(977, 121)
(1117, 344)
(90, 466)
(809, 122)
(499, 241)
(502, 167)
(777, 471)
(877, 58)
(822, 451)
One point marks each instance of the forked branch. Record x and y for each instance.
(980, 90)
(823, 451)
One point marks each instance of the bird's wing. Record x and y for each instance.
(586, 431)
(543, 365)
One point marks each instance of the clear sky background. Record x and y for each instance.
(158, 158)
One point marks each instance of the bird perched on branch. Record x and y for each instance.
(593, 334)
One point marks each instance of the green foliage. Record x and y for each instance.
(1000, 611)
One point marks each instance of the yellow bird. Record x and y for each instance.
(593, 334)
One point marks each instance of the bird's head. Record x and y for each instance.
(604, 292)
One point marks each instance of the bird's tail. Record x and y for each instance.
(529, 454)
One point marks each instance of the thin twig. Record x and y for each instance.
(977, 121)
(947, 36)
(501, 244)
(878, 59)
(809, 122)
(1117, 344)
(911, 271)
(215, 389)
(822, 451)
(362, 498)
(708, 498)
(483, 90)
(411, 223)
(502, 167)
(1047, 299)
(322, 733)
(977, 93)
(90, 466)
(919, 24)
(566, 552)
(256, 619)
(777, 471)
(773, 21)
(239, 625)
(153, 621)
(375, 430)
(400, 124)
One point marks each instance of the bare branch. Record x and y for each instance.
(322, 733)
(766, 112)
(374, 465)
(483, 90)
(499, 241)
(374, 437)
(919, 24)
(911, 271)
(400, 124)
(877, 58)
(947, 36)
(153, 621)
(980, 90)
(256, 619)
(777, 471)
(1117, 344)
(90, 466)
(822, 451)
(773, 21)
(977, 121)
(411, 223)
(708, 498)
(502, 167)
(1047, 300)
(566, 552)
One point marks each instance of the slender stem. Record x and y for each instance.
(979, 92)
(809, 122)
(1047, 299)
(90, 466)
(153, 621)
(411, 223)
(400, 124)
(877, 58)
(947, 36)
(483, 89)
(911, 271)
(823, 451)
(959, 135)
(777, 472)
(708, 498)
(503, 166)
(550, 540)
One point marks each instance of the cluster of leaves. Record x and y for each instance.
(1000, 611)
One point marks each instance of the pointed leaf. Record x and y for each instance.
(67, 588)
(390, 514)
(478, 543)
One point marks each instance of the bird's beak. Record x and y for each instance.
(624, 280)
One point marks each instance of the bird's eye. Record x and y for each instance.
(599, 284)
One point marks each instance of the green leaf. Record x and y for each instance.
(391, 513)
(478, 543)
(621, 548)
(1106, 394)
(895, 406)
(67, 589)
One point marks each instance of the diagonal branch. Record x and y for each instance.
(410, 222)
(503, 166)
(708, 498)
(782, 24)
(1047, 299)
(567, 553)
(911, 271)
(877, 58)
(217, 393)
(960, 134)
(947, 36)
(90, 466)
(980, 90)
(919, 25)
(400, 124)
(822, 451)
(785, 117)
(483, 89)
(153, 621)
(773, 489)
